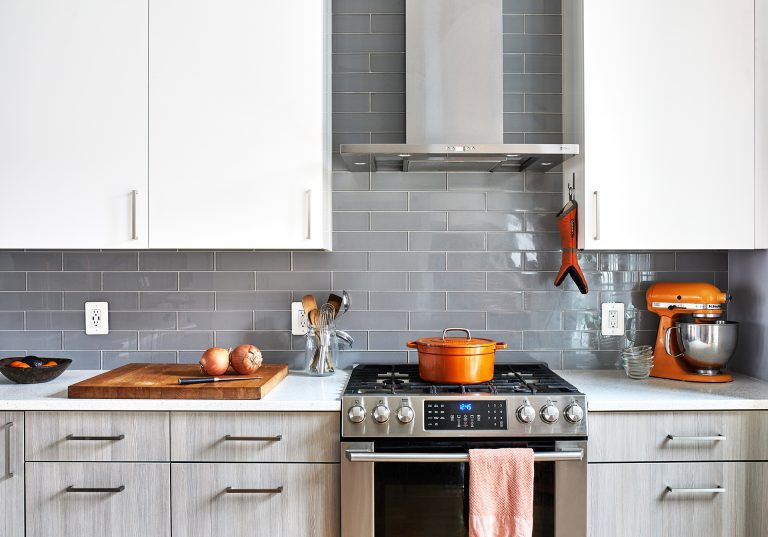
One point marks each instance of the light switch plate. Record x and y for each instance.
(613, 319)
(96, 318)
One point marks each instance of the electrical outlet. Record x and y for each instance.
(299, 323)
(96, 318)
(613, 319)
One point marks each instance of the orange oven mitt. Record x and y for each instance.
(568, 226)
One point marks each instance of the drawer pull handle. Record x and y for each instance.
(111, 438)
(70, 488)
(8, 445)
(717, 438)
(230, 490)
(255, 438)
(715, 490)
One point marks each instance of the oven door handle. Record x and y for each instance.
(367, 456)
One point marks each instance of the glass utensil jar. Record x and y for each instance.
(321, 351)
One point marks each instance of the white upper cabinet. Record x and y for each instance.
(239, 129)
(661, 97)
(73, 124)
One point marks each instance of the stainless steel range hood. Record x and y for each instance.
(454, 97)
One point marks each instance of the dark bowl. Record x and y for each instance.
(33, 375)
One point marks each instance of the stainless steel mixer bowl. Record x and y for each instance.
(707, 347)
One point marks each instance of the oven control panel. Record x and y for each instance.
(442, 415)
(435, 416)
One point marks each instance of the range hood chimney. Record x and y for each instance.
(454, 97)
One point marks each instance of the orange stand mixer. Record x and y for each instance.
(705, 303)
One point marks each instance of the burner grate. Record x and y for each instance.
(403, 379)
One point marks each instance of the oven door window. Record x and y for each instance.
(432, 499)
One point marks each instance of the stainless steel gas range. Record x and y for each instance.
(405, 445)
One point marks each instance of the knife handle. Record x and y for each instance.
(201, 380)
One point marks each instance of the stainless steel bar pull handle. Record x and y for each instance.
(134, 228)
(367, 456)
(716, 438)
(70, 488)
(275, 438)
(308, 207)
(715, 490)
(110, 438)
(276, 490)
(596, 200)
(8, 455)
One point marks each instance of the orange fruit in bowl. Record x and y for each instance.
(50, 364)
(19, 363)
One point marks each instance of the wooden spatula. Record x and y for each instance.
(335, 301)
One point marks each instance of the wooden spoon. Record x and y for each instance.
(313, 317)
(309, 303)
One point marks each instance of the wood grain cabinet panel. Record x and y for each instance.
(274, 500)
(97, 436)
(698, 436)
(140, 508)
(255, 436)
(12, 474)
(632, 500)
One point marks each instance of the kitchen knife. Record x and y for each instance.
(202, 380)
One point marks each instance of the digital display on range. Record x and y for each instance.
(459, 415)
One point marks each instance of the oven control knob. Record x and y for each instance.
(405, 414)
(356, 414)
(526, 413)
(550, 413)
(574, 413)
(381, 414)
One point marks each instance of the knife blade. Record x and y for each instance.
(202, 380)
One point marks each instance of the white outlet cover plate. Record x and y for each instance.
(96, 318)
(299, 326)
(612, 319)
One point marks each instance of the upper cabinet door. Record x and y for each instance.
(239, 136)
(73, 123)
(665, 114)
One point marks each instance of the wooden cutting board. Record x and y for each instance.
(161, 381)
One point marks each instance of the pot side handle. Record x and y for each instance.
(411, 344)
(501, 345)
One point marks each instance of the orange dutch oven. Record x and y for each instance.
(456, 360)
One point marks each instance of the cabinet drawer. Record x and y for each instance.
(678, 436)
(97, 436)
(140, 507)
(248, 500)
(632, 500)
(255, 436)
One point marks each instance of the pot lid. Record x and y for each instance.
(455, 342)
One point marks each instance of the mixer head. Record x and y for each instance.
(670, 299)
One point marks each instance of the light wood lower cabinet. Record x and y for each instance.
(256, 499)
(12, 474)
(68, 499)
(632, 500)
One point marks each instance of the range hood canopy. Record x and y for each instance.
(454, 97)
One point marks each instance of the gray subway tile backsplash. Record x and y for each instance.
(64, 281)
(13, 281)
(418, 252)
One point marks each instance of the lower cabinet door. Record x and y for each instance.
(250, 500)
(69, 499)
(712, 499)
(12, 474)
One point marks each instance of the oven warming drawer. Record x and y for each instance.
(367, 456)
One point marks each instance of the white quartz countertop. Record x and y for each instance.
(607, 391)
(297, 392)
(613, 391)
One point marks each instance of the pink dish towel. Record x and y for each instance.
(501, 492)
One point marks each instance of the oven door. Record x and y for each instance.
(420, 489)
